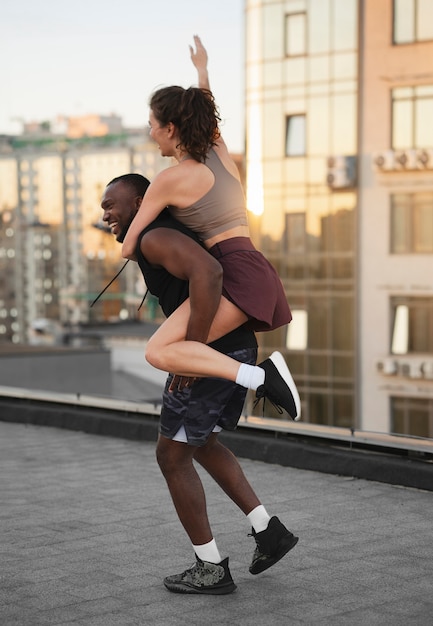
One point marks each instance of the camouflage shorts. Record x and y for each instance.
(209, 402)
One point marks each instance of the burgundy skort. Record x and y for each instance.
(252, 284)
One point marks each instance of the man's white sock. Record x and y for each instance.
(259, 518)
(250, 376)
(208, 552)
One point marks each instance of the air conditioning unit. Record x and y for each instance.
(388, 367)
(424, 159)
(427, 369)
(411, 369)
(405, 160)
(338, 179)
(384, 161)
(336, 162)
(341, 172)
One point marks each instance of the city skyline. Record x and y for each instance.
(339, 154)
(91, 57)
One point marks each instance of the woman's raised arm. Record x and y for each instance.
(199, 59)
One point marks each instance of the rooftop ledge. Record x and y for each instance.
(395, 459)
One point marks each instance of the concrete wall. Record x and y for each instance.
(83, 371)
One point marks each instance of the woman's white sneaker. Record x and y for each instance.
(279, 386)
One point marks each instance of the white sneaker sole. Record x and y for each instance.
(279, 362)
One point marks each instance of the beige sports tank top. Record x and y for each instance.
(221, 208)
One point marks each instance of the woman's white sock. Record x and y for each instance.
(250, 376)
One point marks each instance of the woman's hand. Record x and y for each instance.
(199, 56)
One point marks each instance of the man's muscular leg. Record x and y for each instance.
(176, 462)
(224, 468)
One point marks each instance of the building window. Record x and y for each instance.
(412, 112)
(296, 34)
(413, 21)
(295, 135)
(294, 239)
(412, 325)
(297, 330)
(412, 416)
(412, 223)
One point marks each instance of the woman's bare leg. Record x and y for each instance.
(167, 349)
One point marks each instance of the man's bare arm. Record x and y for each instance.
(184, 258)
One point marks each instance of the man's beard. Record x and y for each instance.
(124, 230)
(122, 235)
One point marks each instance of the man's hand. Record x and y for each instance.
(179, 383)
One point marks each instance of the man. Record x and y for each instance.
(175, 266)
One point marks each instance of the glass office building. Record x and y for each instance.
(339, 94)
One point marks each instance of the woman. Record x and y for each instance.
(204, 192)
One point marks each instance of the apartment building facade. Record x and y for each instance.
(396, 217)
(55, 254)
(339, 98)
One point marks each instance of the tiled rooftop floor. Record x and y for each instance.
(88, 532)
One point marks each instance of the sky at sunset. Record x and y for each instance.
(93, 56)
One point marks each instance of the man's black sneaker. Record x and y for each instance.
(203, 577)
(279, 386)
(272, 544)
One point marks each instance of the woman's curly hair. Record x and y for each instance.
(194, 113)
